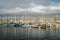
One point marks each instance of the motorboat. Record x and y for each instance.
(25, 25)
(49, 24)
(35, 26)
(17, 25)
(43, 26)
(12, 24)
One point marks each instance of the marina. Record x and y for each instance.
(29, 29)
(42, 23)
(29, 19)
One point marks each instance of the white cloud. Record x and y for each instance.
(14, 10)
(37, 9)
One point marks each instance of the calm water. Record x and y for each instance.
(18, 33)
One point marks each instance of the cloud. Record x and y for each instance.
(38, 9)
(26, 3)
(30, 6)
(14, 10)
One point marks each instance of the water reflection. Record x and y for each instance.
(18, 33)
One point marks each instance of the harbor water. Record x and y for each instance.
(18, 33)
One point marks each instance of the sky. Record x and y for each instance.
(30, 6)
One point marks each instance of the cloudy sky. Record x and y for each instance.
(30, 6)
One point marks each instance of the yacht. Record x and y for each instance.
(17, 25)
(10, 24)
(13, 24)
(25, 25)
(35, 25)
(43, 26)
